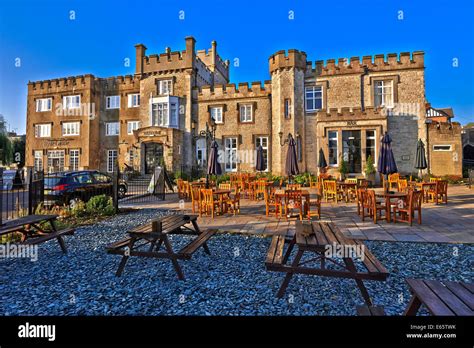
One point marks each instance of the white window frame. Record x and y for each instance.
(217, 114)
(110, 127)
(165, 87)
(374, 138)
(231, 159)
(134, 100)
(246, 113)
(258, 142)
(131, 126)
(71, 129)
(337, 147)
(38, 161)
(74, 155)
(72, 101)
(55, 154)
(112, 102)
(442, 147)
(380, 92)
(313, 93)
(164, 112)
(44, 104)
(201, 152)
(43, 130)
(112, 156)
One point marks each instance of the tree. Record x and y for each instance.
(6, 149)
(3, 125)
(19, 146)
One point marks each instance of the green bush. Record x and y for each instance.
(78, 209)
(369, 166)
(100, 205)
(343, 168)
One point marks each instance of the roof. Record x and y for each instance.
(439, 112)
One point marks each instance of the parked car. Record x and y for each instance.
(12, 180)
(65, 187)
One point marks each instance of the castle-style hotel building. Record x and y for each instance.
(156, 114)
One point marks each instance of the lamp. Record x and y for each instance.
(287, 140)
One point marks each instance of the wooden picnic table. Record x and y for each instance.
(388, 196)
(32, 231)
(441, 298)
(154, 235)
(316, 238)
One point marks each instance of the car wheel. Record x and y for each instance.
(121, 191)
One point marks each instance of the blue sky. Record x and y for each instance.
(103, 34)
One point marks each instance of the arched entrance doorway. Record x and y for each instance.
(153, 156)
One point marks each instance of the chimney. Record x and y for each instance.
(140, 50)
(190, 51)
(214, 53)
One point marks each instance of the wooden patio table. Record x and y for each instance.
(315, 238)
(33, 233)
(388, 196)
(441, 298)
(154, 235)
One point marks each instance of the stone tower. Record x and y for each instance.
(287, 74)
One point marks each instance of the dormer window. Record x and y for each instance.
(165, 87)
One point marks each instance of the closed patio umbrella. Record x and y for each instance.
(420, 159)
(321, 160)
(386, 164)
(291, 165)
(214, 167)
(260, 165)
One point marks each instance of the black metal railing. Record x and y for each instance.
(20, 197)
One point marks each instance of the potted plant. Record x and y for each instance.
(343, 168)
(369, 170)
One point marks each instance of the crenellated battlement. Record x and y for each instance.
(283, 60)
(69, 82)
(350, 114)
(242, 90)
(378, 62)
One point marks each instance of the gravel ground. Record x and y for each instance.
(232, 281)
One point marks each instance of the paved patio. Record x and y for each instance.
(452, 223)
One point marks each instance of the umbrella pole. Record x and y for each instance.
(386, 183)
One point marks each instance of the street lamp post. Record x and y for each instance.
(210, 135)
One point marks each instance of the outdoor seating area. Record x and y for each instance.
(307, 236)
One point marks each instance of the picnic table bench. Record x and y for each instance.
(32, 233)
(441, 298)
(316, 238)
(154, 235)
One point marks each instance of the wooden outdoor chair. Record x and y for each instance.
(186, 189)
(224, 186)
(179, 184)
(330, 190)
(402, 185)
(393, 181)
(363, 183)
(360, 199)
(196, 198)
(293, 200)
(407, 213)
(375, 208)
(351, 180)
(259, 190)
(208, 203)
(435, 179)
(313, 183)
(293, 187)
(352, 191)
(233, 202)
(314, 203)
(272, 204)
(439, 192)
